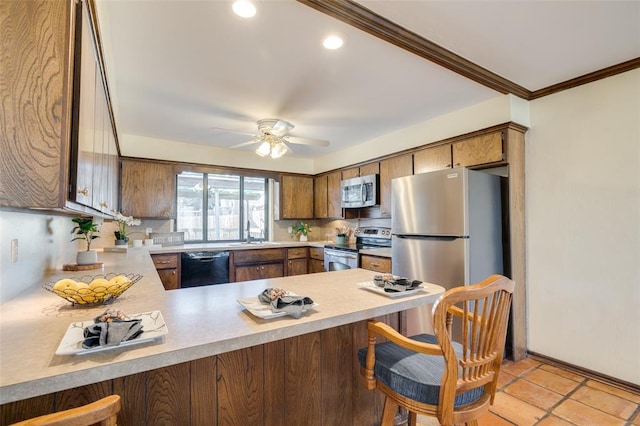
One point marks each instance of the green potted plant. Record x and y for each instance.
(85, 229)
(302, 230)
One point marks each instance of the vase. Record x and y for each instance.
(87, 257)
(303, 237)
(121, 242)
(341, 239)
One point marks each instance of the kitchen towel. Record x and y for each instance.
(111, 333)
(291, 305)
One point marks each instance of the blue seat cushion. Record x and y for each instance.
(415, 375)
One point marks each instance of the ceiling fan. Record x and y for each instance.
(273, 138)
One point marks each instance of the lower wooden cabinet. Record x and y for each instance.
(316, 260)
(297, 261)
(168, 267)
(375, 263)
(257, 264)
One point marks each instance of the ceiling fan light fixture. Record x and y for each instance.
(278, 150)
(264, 149)
(244, 8)
(333, 42)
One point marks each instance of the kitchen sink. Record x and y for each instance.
(256, 243)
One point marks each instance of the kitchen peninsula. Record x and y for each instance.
(217, 364)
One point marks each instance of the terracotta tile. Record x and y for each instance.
(516, 410)
(634, 397)
(490, 419)
(552, 381)
(534, 394)
(563, 373)
(581, 414)
(554, 421)
(504, 379)
(606, 402)
(520, 367)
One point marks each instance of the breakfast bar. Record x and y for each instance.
(217, 363)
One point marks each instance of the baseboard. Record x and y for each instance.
(612, 381)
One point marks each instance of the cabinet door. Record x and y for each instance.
(272, 270)
(375, 263)
(432, 159)
(316, 265)
(370, 169)
(169, 278)
(35, 75)
(296, 200)
(351, 173)
(320, 197)
(297, 267)
(392, 168)
(334, 196)
(248, 273)
(481, 149)
(148, 189)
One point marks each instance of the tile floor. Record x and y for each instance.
(534, 393)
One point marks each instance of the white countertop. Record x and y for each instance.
(202, 321)
(234, 246)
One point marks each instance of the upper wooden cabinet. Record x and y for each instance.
(432, 159)
(327, 196)
(391, 168)
(296, 197)
(478, 150)
(148, 189)
(55, 89)
(364, 170)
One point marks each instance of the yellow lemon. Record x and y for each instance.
(98, 282)
(64, 284)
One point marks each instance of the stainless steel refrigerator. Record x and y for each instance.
(447, 230)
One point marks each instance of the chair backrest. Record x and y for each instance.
(338, 266)
(484, 313)
(103, 412)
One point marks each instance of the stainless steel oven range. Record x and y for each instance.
(341, 256)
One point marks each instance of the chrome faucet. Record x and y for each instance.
(248, 231)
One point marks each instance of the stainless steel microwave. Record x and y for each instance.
(360, 191)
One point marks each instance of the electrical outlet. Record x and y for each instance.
(290, 229)
(149, 231)
(14, 250)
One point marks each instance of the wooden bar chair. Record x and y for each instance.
(103, 412)
(433, 375)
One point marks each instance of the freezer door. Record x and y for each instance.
(436, 260)
(430, 203)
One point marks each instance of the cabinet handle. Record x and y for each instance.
(375, 264)
(84, 191)
(173, 272)
(162, 262)
(456, 164)
(104, 204)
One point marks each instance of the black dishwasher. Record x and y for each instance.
(204, 268)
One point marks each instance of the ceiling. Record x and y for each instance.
(179, 69)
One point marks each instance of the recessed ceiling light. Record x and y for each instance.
(244, 8)
(333, 42)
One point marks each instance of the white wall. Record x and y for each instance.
(583, 226)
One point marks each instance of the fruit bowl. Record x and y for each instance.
(92, 289)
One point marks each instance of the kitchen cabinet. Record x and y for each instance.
(363, 170)
(47, 87)
(168, 267)
(256, 264)
(296, 197)
(297, 261)
(316, 260)
(483, 149)
(391, 168)
(431, 159)
(327, 196)
(148, 189)
(375, 263)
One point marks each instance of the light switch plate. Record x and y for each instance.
(14, 250)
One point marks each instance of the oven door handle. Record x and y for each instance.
(338, 253)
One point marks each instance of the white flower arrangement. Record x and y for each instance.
(124, 221)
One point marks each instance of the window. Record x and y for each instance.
(216, 207)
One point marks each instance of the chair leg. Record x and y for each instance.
(473, 422)
(389, 412)
(413, 419)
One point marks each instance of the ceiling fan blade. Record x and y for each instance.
(281, 128)
(252, 141)
(306, 141)
(235, 131)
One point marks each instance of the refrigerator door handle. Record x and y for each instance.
(429, 237)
